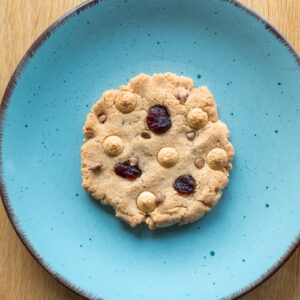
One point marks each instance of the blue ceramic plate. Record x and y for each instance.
(255, 77)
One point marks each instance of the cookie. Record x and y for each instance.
(156, 151)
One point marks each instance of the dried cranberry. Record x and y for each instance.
(158, 119)
(184, 184)
(127, 171)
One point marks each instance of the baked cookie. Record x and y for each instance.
(156, 151)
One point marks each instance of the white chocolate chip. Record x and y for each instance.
(217, 158)
(146, 202)
(181, 94)
(133, 161)
(197, 118)
(126, 102)
(167, 157)
(113, 145)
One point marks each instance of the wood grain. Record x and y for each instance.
(21, 21)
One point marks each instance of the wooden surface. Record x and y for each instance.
(21, 21)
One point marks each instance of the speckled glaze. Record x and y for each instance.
(255, 77)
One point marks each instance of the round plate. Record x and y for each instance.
(254, 74)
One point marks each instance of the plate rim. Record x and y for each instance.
(42, 38)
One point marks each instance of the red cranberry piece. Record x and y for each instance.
(127, 171)
(158, 119)
(184, 184)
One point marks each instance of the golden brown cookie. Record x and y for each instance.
(156, 151)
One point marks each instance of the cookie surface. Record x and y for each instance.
(156, 151)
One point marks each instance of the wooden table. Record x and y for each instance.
(21, 21)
